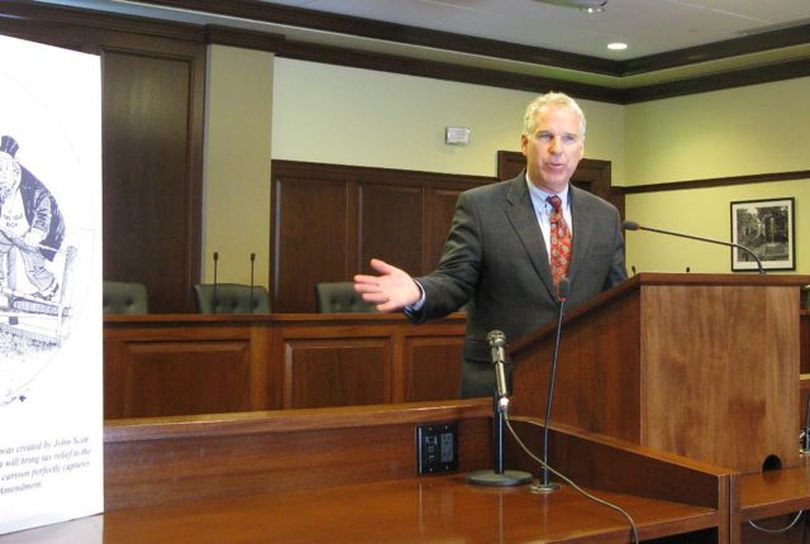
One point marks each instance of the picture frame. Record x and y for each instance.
(767, 228)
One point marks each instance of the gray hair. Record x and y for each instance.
(551, 99)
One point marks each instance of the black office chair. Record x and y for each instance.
(122, 297)
(231, 298)
(340, 297)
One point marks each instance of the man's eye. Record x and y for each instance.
(544, 136)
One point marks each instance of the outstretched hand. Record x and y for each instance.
(392, 290)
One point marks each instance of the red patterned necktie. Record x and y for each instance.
(560, 241)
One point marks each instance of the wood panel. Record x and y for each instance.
(698, 341)
(361, 213)
(427, 376)
(152, 192)
(328, 372)
(439, 220)
(157, 378)
(193, 364)
(391, 225)
(313, 229)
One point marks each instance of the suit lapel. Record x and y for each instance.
(583, 231)
(521, 215)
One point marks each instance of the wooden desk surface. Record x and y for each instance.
(775, 492)
(430, 509)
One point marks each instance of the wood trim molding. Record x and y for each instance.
(716, 182)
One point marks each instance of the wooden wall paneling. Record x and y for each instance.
(432, 368)
(152, 110)
(396, 215)
(312, 229)
(390, 225)
(262, 395)
(337, 371)
(179, 371)
(160, 378)
(439, 219)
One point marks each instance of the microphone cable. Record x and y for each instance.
(620, 510)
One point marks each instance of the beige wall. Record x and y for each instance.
(752, 130)
(339, 115)
(333, 114)
(236, 200)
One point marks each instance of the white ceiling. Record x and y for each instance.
(649, 27)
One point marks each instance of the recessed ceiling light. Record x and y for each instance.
(617, 46)
(592, 10)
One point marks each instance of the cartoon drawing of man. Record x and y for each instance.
(30, 221)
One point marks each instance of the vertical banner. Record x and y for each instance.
(51, 400)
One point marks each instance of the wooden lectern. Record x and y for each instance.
(702, 365)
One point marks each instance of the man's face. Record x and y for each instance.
(554, 149)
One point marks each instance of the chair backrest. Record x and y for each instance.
(122, 297)
(340, 297)
(231, 298)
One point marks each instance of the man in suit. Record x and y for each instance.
(509, 245)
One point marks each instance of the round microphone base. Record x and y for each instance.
(490, 478)
(541, 488)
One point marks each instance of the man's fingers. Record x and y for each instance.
(383, 267)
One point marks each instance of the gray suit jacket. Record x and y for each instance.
(495, 258)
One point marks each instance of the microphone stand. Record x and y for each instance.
(498, 477)
(252, 262)
(216, 300)
(805, 449)
(546, 485)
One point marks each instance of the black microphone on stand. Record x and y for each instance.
(632, 225)
(216, 300)
(252, 263)
(498, 477)
(497, 345)
(545, 485)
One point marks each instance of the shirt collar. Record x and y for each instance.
(539, 195)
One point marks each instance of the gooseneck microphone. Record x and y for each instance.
(545, 485)
(632, 225)
(216, 261)
(252, 265)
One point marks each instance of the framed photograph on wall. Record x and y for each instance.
(765, 227)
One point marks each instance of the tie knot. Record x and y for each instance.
(555, 202)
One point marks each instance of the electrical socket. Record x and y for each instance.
(436, 448)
